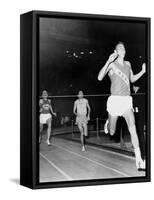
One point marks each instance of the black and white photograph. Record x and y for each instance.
(76, 99)
(93, 98)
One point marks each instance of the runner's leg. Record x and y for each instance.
(49, 121)
(41, 129)
(112, 124)
(129, 117)
(80, 126)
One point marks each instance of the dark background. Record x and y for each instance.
(64, 69)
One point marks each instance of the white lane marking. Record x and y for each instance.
(111, 152)
(108, 151)
(97, 163)
(57, 168)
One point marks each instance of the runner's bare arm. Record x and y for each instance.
(134, 78)
(40, 104)
(74, 108)
(53, 113)
(89, 110)
(107, 66)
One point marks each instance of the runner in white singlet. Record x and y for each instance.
(82, 111)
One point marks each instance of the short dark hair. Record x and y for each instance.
(44, 91)
(120, 42)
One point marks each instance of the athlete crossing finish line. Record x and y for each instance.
(120, 101)
(46, 113)
(82, 111)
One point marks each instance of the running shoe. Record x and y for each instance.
(140, 165)
(48, 142)
(83, 148)
(106, 127)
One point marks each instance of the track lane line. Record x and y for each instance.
(93, 161)
(104, 150)
(57, 168)
(114, 153)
